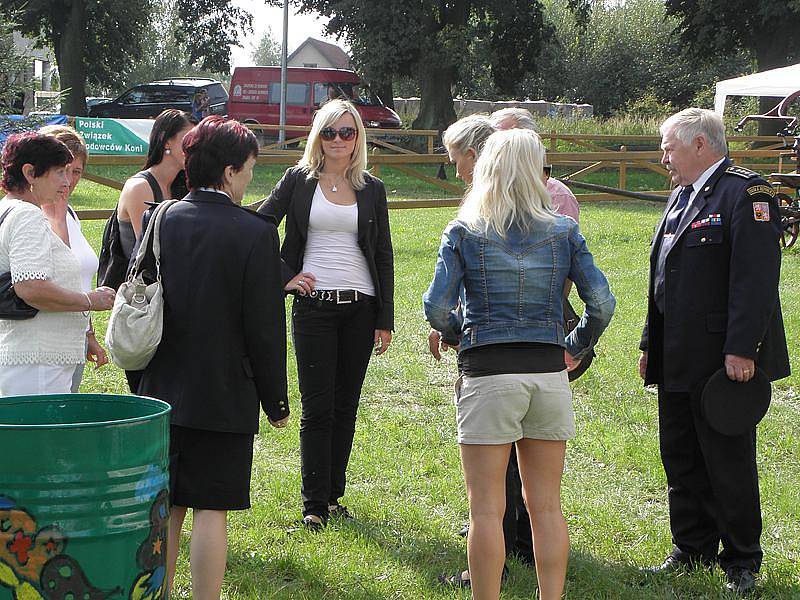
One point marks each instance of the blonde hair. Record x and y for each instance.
(521, 116)
(313, 159)
(469, 132)
(507, 186)
(70, 138)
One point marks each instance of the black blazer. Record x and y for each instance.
(223, 350)
(292, 197)
(721, 285)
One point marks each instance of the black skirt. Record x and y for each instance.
(209, 469)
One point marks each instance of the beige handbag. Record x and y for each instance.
(137, 318)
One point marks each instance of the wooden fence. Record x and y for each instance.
(594, 153)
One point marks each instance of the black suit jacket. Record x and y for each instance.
(721, 285)
(292, 197)
(223, 350)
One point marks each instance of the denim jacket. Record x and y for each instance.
(487, 289)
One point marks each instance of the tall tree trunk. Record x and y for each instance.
(385, 91)
(436, 97)
(771, 52)
(70, 52)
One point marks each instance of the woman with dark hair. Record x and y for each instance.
(39, 355)
(158, 178)
(66, 225)
(161, 178)
(223, 350)
(338, 262)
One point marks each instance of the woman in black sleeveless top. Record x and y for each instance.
(162, 177)
(162, 172)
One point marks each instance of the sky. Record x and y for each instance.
(269, 17)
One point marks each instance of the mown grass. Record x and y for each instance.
(405, 485)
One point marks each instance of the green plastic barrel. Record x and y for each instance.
(84, 507)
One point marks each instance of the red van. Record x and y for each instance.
(255, 96)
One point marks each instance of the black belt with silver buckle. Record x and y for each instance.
(337, 296)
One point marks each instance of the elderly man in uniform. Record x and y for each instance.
(712, 303)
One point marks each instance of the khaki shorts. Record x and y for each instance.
(501, 409)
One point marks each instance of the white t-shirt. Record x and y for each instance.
(332, 253)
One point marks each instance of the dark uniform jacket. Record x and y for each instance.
(721, 284)
(223, 350)
(292, 198)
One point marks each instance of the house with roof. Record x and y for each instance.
(318, 54)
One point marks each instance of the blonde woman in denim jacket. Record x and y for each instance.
(512, 253)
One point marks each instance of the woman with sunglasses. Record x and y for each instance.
(337, 261)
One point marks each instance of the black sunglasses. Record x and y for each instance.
(346, 133)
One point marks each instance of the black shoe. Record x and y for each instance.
(339, 511)
(307, 524)
(670, 565)
(464, 531)
(741, 581)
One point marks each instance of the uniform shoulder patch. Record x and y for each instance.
(761, 189)
(761, 211)
(741, 172)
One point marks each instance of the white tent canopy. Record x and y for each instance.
(775, 82)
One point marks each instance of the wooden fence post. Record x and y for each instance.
(376, 169)
(623, 169)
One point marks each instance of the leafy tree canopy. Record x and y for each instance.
(767, 27)
(13, 64)
(431, 41)
(267, 51)
(623, 53)
(99, 41)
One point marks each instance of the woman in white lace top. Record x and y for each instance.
(39, 355)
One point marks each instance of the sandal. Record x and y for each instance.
(459, 581)
(456, 581)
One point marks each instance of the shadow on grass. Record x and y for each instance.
(591, 577)
(396, 562)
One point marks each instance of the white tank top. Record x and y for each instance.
(332, 253)
(83, 252)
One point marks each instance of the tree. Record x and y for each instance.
(162, 56)
(13, 66)
(267, 51)
(99, 42)
(768, 28)
(623, 52)
(429, 40)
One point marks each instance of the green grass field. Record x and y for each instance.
(405, 485)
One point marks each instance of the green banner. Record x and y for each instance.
(115, 136)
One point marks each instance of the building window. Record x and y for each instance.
(310, 65)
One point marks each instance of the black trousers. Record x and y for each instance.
(333, 344)
(516, 522)
(134, 379)
(713, 486)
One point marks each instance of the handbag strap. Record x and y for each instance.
(152, 230)
(5, 214)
